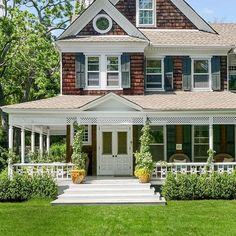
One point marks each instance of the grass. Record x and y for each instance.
(38, 218)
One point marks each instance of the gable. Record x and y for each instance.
(116, 29)
(171, 14)
(85, 18)
(111, 102)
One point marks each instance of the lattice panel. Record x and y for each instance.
(71, 120)
(88, 120)
(224, 120)
(179, 120)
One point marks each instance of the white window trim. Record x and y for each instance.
(86, 72)
(119, 71)
(102, 71)
(154, 15)
(95, 23)
(164, 144)
(209, 73)
(193, 143)
(89, 142)
(162, 74)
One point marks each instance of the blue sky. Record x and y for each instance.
(215, 10)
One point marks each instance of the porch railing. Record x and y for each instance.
(59, 171)
(161, 170)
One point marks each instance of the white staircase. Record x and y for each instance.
(110, 191)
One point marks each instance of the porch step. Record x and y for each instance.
(109, 191)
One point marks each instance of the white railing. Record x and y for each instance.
(162, 169)
(59, 171)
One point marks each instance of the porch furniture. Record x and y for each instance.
(223, 157)
(179, 158)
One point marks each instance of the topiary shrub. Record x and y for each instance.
(197, 187)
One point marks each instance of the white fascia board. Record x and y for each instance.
(86, 47)
(80, 22)
(193, 16)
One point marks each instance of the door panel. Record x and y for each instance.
(115, 150)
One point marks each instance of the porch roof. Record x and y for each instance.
(226, 37)
(172, 101)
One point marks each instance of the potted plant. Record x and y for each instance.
(78, 157)
(143, 158)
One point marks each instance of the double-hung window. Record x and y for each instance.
(154, 74)
(93, 71)
(113, 71)
(201, 141)
(201, 74)
(157, 146)
(146, 12)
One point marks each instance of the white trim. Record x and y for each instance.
(188, 11)
(79, 23)
(32, 140)
(153, 16)
(162, 74)
(209, 73)
(22, 145)
(10, 137)
(95, 23)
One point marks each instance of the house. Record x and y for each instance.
(124, 63)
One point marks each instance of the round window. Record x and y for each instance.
(102, 23)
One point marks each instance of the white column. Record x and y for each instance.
(10, 138)
(71, 134)
(41, 142)
(48, 141)
(22, 145)
(32, 140)
(211, 134)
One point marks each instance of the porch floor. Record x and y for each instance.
(108, 190)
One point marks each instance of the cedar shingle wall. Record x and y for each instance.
(168, 15)
(68, 77)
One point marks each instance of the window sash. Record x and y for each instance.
(93, 74)
(146, 14)
(201, 80)
(113, 71)
(201, 141)
(151, 82)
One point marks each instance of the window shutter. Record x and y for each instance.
(171, 140)
(187, 73)
(80, 70)
(125, 70)
(216, 78)
(168, 64)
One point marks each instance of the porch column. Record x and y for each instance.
(10, 138)
(22, 145)
(41, 142)
(211, 134)
(71, 134)
(32, 140)
(48, 140)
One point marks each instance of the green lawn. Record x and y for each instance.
(177, 218)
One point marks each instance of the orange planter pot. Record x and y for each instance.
(144, 179)
(78, 176)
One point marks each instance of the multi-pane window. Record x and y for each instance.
(146, 12)
(201, 76)
(232, 71)
(157, 143)
(113, 71)
(93, 71)
(201, 141)
(87, 135)
(154, 75)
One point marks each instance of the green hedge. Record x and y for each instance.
(197, 187)
(24, 187)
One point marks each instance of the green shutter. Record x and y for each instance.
(125, 70)
(171, 141)
(215, 69)
(230, 136)
(187, 73)
(168, 64)
(217, 138)
(80, 70)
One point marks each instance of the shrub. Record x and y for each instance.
(44, 187)
(207, 186)
(5, 155)
(24, 187)
(58, 152)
